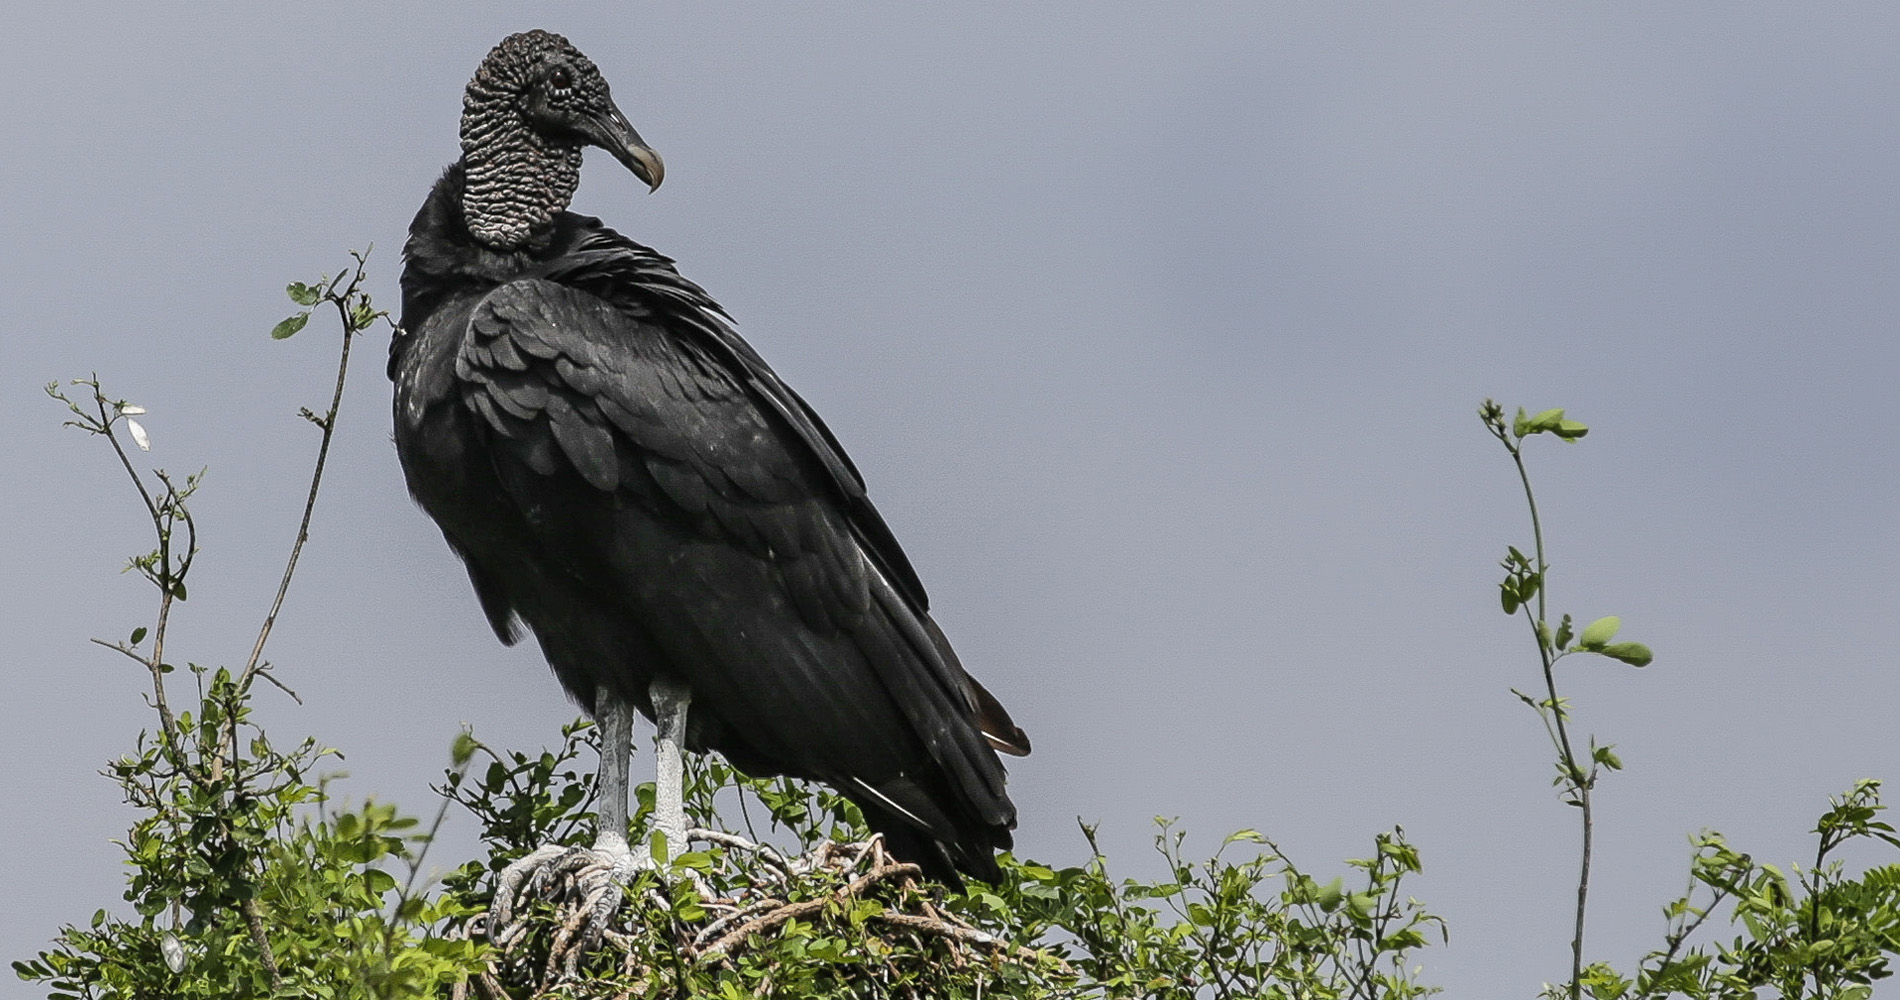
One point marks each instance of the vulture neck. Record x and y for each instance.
(517, 180)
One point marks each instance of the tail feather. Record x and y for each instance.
(992, 719)
(943, 860)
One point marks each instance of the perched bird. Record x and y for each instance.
(622, 474)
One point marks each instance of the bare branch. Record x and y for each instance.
(342, 301)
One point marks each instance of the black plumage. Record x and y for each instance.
(624, 475)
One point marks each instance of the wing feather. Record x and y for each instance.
(624, 474)
(795, 602)
(600, 387)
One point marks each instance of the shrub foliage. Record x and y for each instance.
(247, 878)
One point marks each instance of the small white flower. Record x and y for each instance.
(139, 436)
(129, 409)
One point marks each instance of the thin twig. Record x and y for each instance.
(256, 925)
(966, 935)
(1688, 929)
(265, 673)
(157, 663)
(737, 916)
(328, 426)
(765, 852)
(164, 580)
(784, 913)
(491, 987)
(106, 421)
(175, 507)
(1577, 778)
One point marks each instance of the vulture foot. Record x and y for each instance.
(585, 885)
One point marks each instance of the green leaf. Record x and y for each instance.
(1633, 653)
(1548, 420)
(138, 635)
(462, 748)
(1330, 894)
(379, 881)
(1564, 633)
(1599, 632)
(288, 328)
(302, 294)
(1507, 596)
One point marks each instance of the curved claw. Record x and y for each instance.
(593, 875)
(600, 885)
(501, 910)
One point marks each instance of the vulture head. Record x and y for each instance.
(535, 103)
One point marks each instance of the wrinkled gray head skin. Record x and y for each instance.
(533, 105)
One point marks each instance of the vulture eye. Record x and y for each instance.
(561, 78)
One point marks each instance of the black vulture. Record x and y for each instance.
(622, 474)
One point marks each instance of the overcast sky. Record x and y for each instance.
(1158, 331)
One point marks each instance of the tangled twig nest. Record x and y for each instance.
(717, 904)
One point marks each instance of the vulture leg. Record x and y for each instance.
(615, 718)
(670, 701)
(595, 873)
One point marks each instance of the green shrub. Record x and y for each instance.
(247, 879)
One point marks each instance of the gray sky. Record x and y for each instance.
(1158, 331)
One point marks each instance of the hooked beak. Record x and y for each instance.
(612, 132)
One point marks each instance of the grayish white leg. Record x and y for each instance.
(670, 701)
(615, 717)
(597, 872)
(600, 872)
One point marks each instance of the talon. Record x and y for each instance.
(501, 909)
(590, 877)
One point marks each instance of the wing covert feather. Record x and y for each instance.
(637, 413)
